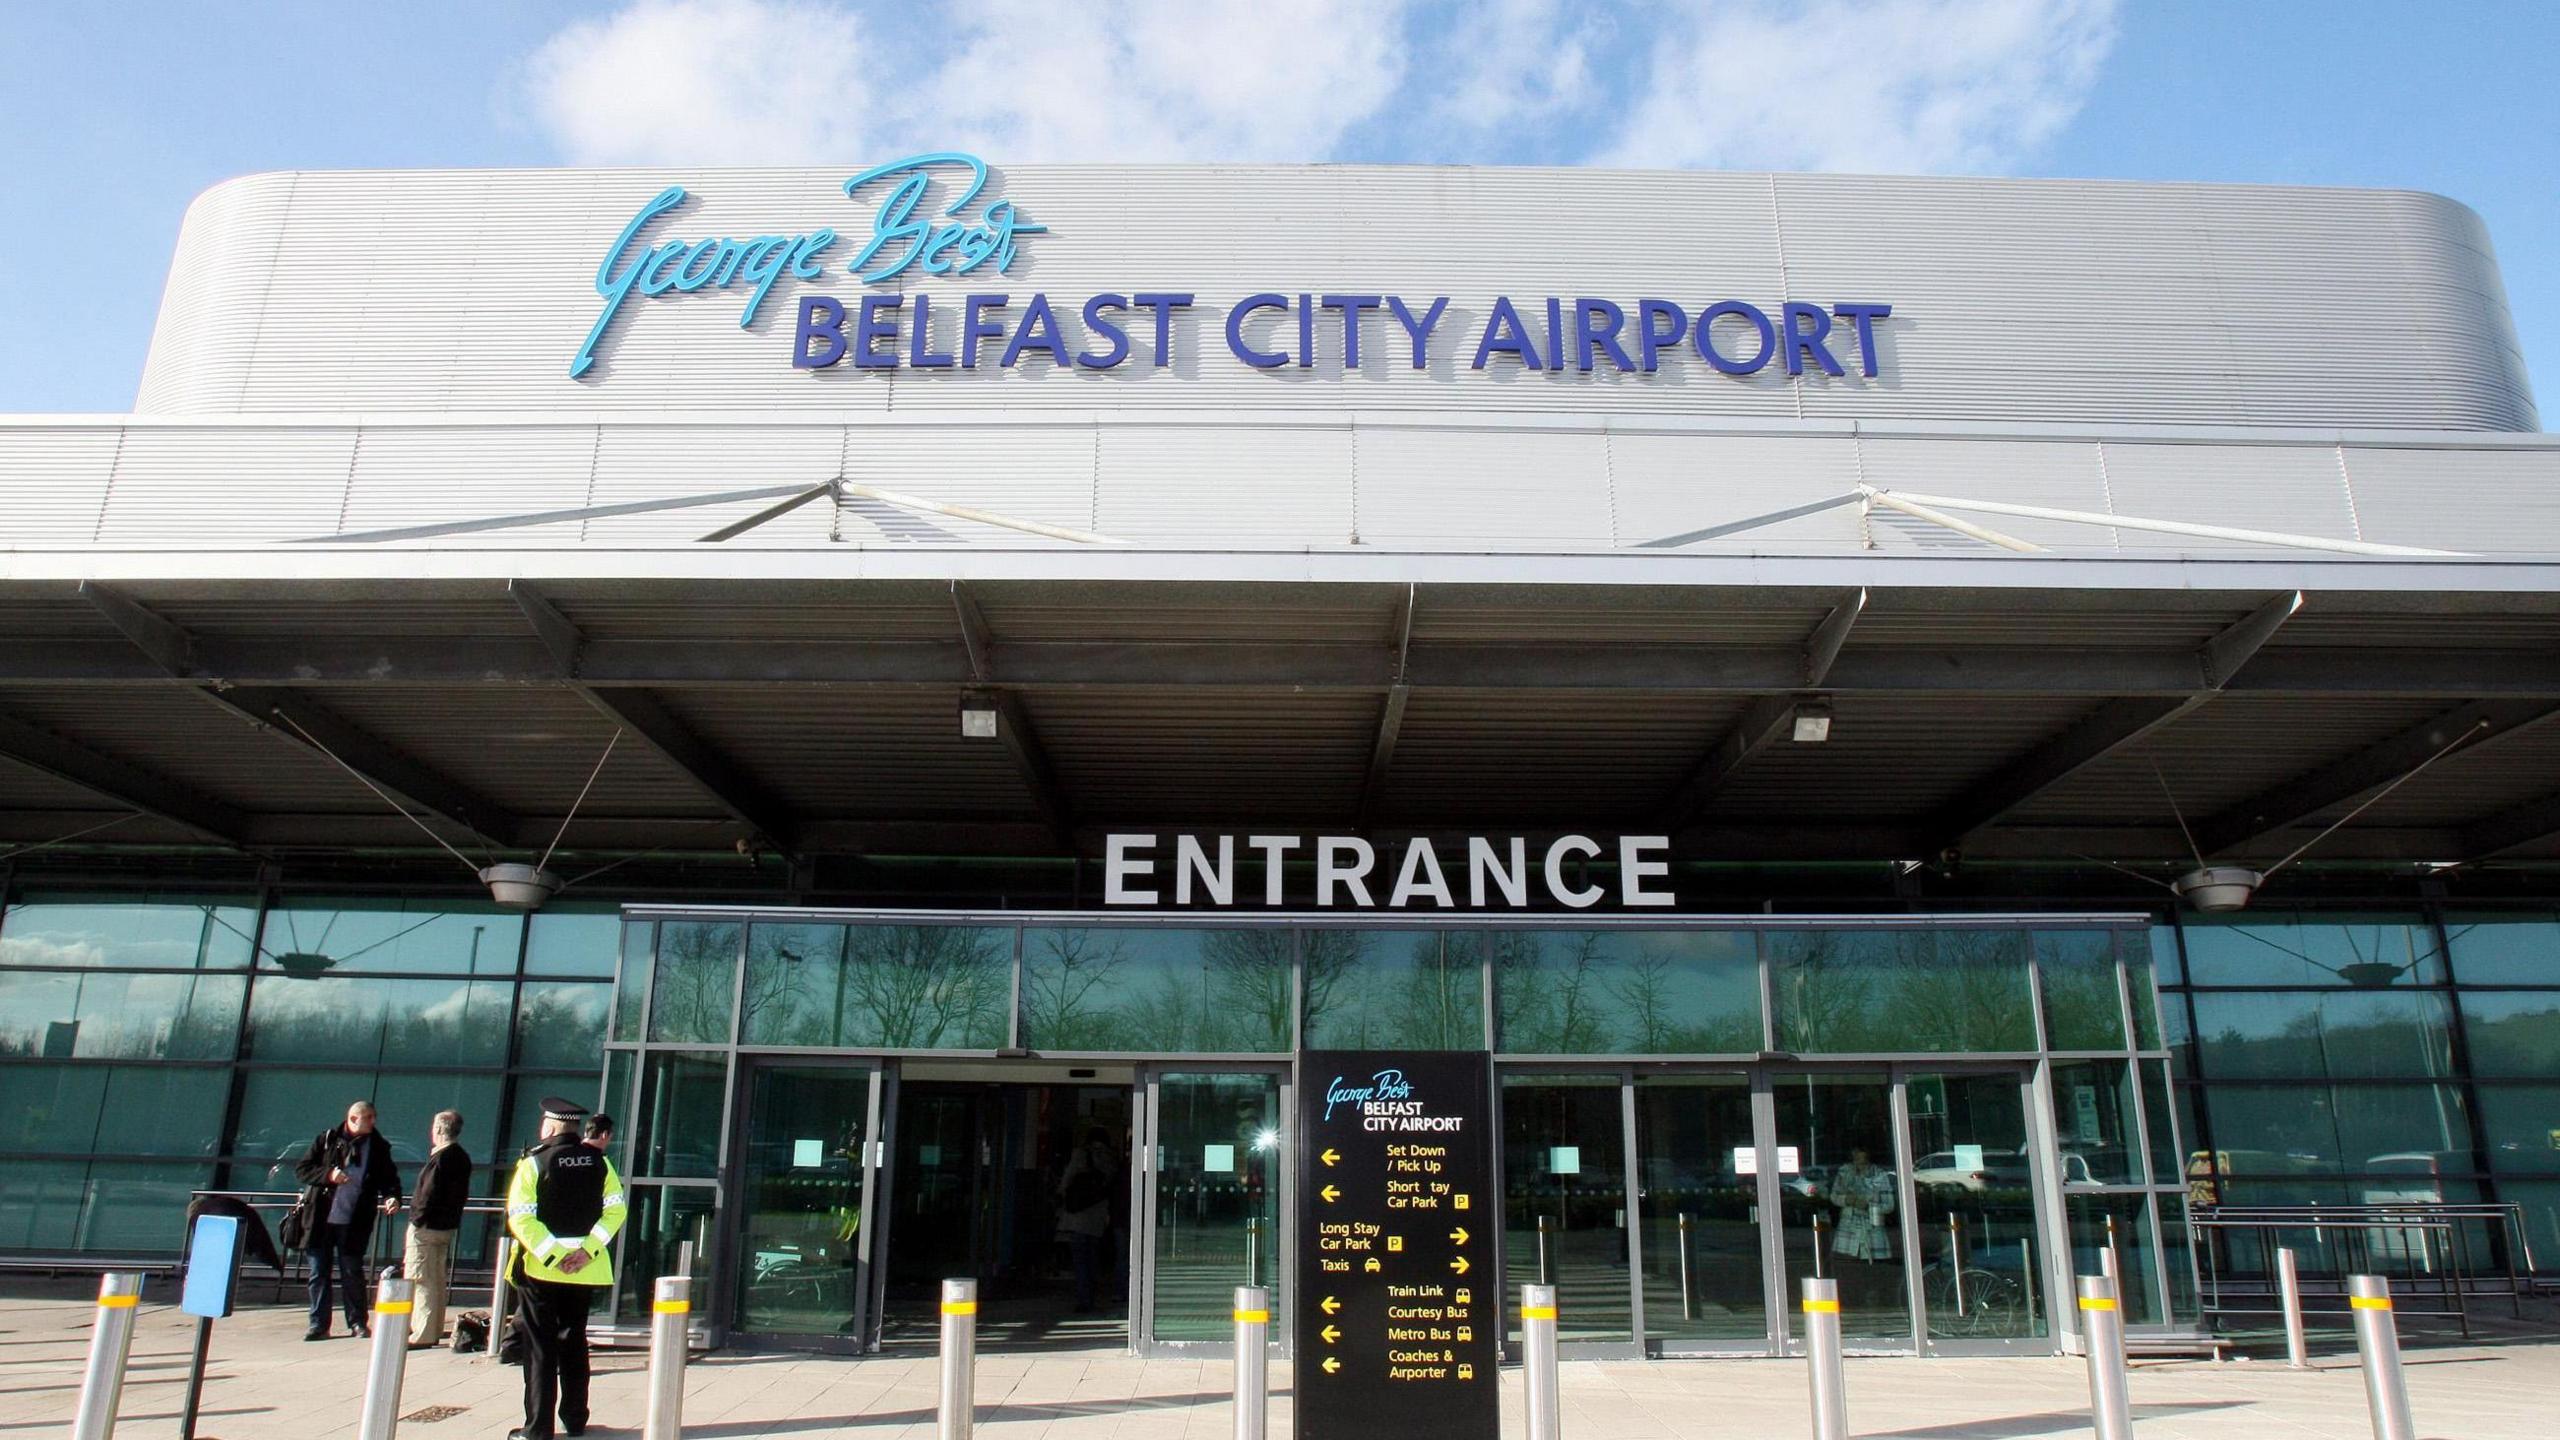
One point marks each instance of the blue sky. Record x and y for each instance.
(116, 115)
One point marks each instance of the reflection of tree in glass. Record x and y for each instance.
(1646, 991)
(1061, 972)
(397, 1022)
(1823, 989)
(1553, 1002)
(1359, 995)
(560, 1024)
(927, 986)
(695, 981)
(1956, 990)
(2079, 972)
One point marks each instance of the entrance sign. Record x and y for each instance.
(1399, 1315)
(1500, 872)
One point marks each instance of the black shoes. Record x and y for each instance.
(362, 1332)
(315, 1334)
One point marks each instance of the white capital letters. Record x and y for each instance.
(1330, 871)
(1219, 883)
(1513, 882)
(1634, 870)
(1121, 864)
(1578, 899)
(1418, 857)
(1272, 848)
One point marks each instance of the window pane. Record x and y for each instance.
(2335, 1034)
(162, 1110)
(2512, 1032)
(2081, 1008)
(2093, 1122)
(2142, 995)
(616, 1101)
(2509, 948)
(795, 984)
(406, 937)
(281, 1110)
(1384, 989)
(1878, 991)
(1597, 992)
(408, 1105)
(663, 1218)
(524, 1117)
(1564, 1169)
(696, 982)
(2168, 967)
(678, 1128)
(133, 1209)
(51, 1108)
(2125, 1222)
(1201, 991)
(927, 987)
(2311, 948)
(2523, 1122)
(2540, 1199)
(42, 1203)
(376, 1022)
(160, 932)
(573, 940)
(60, 1015)
(631, 987)
(560, 1024)
(2157, 1114)
(2180, 1038)
(2276, 1132)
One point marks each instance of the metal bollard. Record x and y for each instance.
(670, 1331)
(2102, 1328)
(1253, 1362)
(958, 1411)
(110, 1341)
(1822, 1354)
(1955, 1259)
(1546, 1271)
(499, 1293)
(391, 1304)
(2297, 1349)
(1538, 1361)
(2386, 1386)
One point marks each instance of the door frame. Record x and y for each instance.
(728, 1281)
(2042, 1199)
(1144, 1144)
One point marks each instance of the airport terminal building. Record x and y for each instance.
(1927, 728)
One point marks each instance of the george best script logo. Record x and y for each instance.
(1385, 1087)
(907, 233)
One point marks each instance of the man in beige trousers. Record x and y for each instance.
(435, 1214)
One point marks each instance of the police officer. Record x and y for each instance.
(564, 1206)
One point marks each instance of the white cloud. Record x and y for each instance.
(1522, 60)
(1865, 85)
(787, 81)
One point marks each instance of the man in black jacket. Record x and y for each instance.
(346, 1176)
(435, 1213)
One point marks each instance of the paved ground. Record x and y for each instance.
(267, 1383)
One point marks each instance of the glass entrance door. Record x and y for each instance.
(1699, 1201)
(1973, 1206)
(1565, 1216)
(1212, 1186)
(804, 1226)
(1840, 1201)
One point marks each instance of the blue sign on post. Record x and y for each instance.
(213, 1267)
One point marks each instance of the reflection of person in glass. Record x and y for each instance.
(1863, 1192)
(1084, 1213)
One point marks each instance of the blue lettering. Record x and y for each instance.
(1865, 315)
(974, 327)
(956, 248)
(1351, 306)
(1651, 338)
(1801, 341)
(1420, 329)
(1306, 330)
(1750, 314)
(1504, 333)
(1038, 331)
(1258, 359)
(657, 276)
(1119, 338)
(1587, 336)
(615, 288)
(875, 325)
(761, 265)
(822, 320)
(920, 354)
(1163, 305)
(1555, 333)
(716, 252)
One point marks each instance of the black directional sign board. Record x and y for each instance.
(1399, 1325)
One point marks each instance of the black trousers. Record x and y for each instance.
(553, 1317)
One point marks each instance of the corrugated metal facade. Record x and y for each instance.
(2038, 301)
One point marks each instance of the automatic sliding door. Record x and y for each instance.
(1841, 1200)
(1697, 1159)
(805, 1173)
(1973, 1198)
(1564, 1220)
(1213, 1207)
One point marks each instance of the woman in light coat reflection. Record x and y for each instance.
(1864, 1193)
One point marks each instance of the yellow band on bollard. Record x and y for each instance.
(959, 1307)
(1822, 1307)
(1537, 1312)
(391, 1307)
(670, 1307)
(2370, 1302)
(1253, 1317)
(2092, 1302)
(118, 1302)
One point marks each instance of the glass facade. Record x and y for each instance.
(156, 1044)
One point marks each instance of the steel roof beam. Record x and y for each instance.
(1382, 744)
(178, 656)
(2512, 829)
(1013, 722)
(1765, 719)
(2110, 728)
(127, 785)
(646, 717)
(2342, 780)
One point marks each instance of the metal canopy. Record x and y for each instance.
(822, 716)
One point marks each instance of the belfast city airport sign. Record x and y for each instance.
(925, 222)
(1477, 872)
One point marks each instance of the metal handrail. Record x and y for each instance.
(2429, 1223)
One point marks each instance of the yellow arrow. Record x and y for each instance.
(1459, 1234)
(1330, 1157)
(1332, 1306)
(1460, 1265)
(1331, 1334)
(1330, 1194)
(1331, 1365)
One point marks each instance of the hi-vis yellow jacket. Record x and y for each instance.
(565, 1197)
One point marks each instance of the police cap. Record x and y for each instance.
(555, 1108)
